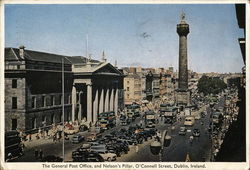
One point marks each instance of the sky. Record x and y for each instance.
(134, 35)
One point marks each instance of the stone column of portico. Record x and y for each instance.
(95, 109)
(111, 103)
(89, 102)
(101, 101)
(106, 103)
(80, 106)
(116, 102)
(73, 103)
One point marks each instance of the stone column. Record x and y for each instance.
(106, 103)
(111, 103)
(183, 30)
(73, 103)
(116, 102)
(80, 106)
(95, 109)
(101, 101)
(89, 102)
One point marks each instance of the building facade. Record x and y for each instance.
(33, 89)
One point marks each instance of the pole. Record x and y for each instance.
(212, 154)
(161, 153)
(63, 105)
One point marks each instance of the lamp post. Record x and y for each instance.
(212, 130)
(157, 146)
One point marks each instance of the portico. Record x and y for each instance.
(95, 90)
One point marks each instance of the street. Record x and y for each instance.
(179, 150)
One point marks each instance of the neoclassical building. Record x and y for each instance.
(97, 86)
(33, 89)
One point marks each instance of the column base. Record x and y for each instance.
(182, 97)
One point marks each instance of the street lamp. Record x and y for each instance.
(212, 130)
(157, 146)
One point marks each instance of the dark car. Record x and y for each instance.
(124, 147)
(183, 131)
(94, 157)
(52, 158)
(87, 156)
(116, 148)
(83, 128)
(196, 132)
(77, 139)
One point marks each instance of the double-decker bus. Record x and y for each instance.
(135, 109)
(150, 117)
(107, 120)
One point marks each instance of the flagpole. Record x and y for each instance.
(63, 105)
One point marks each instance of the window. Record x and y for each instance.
(14, 124)
(14, 102)
(33, 102)
(18, 67)
(127, 95)
(14, 83)
(44, 120)
(52, 118)
(33, 123)
(127, 88)
(60, 99)
(43, 101)
(52, 100)
(127, 82)
(66, 99)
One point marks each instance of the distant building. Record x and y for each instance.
(133, 80)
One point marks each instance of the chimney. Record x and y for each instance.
(21, 51)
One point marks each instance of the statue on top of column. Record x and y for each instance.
(183, 16)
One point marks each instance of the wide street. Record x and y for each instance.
(198, 151)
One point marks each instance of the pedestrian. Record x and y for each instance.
(36, 153)
(136, 148)
(54, 138)
(40, 154)
(30, 137)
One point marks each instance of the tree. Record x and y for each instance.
(210, 85)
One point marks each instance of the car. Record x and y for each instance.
(79, 155)
(83, 128)
(150, 125)
(93, 137)
(107, 156)
(196, 132)
(94, 157)
(189, 121)
(183, 131)
(77, 138)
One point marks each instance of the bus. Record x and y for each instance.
(107, 120)
(150, 117)
(134, 108)
(189, 121)
(13, 145)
